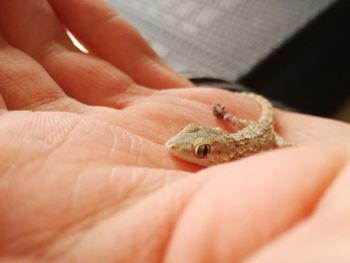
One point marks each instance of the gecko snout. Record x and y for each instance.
(170, 145)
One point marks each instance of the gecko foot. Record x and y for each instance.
(220, 112)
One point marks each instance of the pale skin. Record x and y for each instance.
(84, 175)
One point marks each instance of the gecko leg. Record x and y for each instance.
(220, 112)
(280, 142)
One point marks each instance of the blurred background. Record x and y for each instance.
(293, 51)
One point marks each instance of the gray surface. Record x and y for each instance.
(221, 39)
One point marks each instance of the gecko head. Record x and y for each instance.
(198, 144)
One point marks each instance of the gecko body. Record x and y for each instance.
(207, 146)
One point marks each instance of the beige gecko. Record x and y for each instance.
(207, 146)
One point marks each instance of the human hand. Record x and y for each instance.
(84, 176)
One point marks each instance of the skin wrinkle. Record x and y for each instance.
(135, 141)
(10, 80)
(139, 153)
(112, 209)
(132, 146)
(162, 96)
(39, 158)
(31, 246)
(137, 148)
(46, 100)
(145, 176)
(170, 103)
(39, 103)
(64, 138)
(148, 130)
(119, 87)
(184, 200)
(179, 219)
(65, 247)
(19, 67)
(114, 143)
(78, 226)
(136, 185)
(77, 188)
(132, 95)
(107, 214)
(7, 159)
(113, 83)
(109, 72)
(63, 104)
(148, 60)
(171, 126)
(55, 48)
(168, 244)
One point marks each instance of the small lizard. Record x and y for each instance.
(207, 146)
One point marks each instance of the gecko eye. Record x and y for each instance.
(202, 150)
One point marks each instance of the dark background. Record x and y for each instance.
(311, 71)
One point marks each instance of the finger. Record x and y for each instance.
(24, 84)
(33, 27)
(323, 238)
(115, 40)
(246, 204)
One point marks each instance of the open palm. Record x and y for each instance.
(84, 175)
